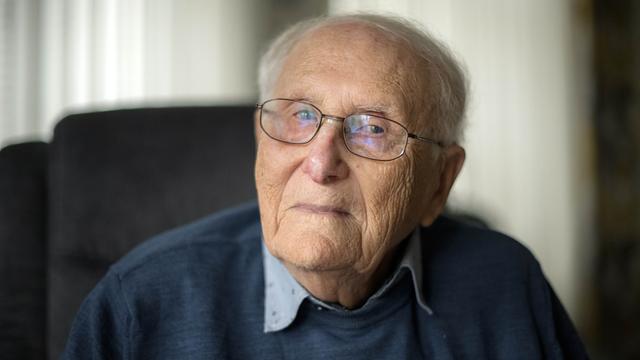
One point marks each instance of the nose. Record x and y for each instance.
(324, 163)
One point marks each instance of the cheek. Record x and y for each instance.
(394, 198)
(273, 169)
(389, 192)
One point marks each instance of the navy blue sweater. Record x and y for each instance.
(198, 293)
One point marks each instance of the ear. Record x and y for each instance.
(452, 160)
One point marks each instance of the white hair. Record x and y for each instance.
(444, 104)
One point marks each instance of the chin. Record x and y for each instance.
(312, 252)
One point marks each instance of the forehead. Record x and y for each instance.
(351, 66)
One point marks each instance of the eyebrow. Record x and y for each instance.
(375, 109)
(303, 99)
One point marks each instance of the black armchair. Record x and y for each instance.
(106, 182)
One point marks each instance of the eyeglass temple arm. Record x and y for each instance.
(414, 136)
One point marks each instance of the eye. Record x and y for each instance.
(372, 129)
(305, 115)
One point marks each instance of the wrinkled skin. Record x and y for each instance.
(335, 219)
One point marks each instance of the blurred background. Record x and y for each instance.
(553, 125)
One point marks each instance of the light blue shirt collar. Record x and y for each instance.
(284, 295)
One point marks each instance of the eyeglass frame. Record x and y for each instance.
(342, 119)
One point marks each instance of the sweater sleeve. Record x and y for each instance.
(101, 329)
(566, 334)
(556, 330)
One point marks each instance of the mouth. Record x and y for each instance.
(321, 209)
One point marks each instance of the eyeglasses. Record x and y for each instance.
(368, 136)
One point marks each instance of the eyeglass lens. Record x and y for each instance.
(364, 135)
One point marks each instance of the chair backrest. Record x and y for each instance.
(119, 177)
(22, 250)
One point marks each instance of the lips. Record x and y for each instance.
(321, 209)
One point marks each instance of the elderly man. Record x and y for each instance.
(346, 255)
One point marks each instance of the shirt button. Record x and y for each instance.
(319, 308)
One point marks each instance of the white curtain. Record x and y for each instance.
(527, 143)
(58, 56)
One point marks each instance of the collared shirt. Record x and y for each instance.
(284, 295)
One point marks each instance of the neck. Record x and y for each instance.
(349, 287)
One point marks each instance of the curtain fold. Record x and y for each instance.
(59, 56)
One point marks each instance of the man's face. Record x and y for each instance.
(322, 207)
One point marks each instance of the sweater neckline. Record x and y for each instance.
(374, 311)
